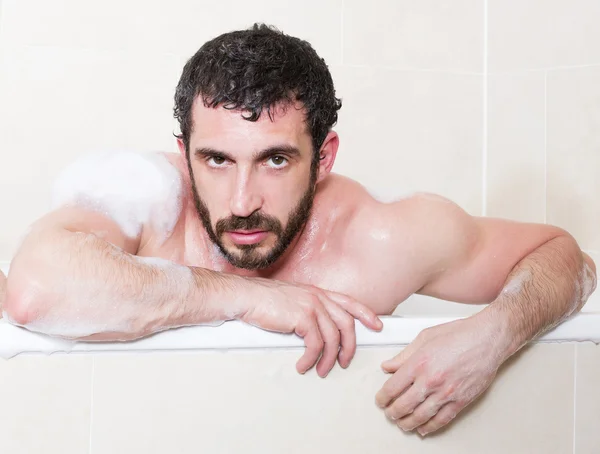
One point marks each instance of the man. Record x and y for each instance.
(249, 223)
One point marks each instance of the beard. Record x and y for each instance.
(248, 256)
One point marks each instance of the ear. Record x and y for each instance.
(181, 146)
(327, 154)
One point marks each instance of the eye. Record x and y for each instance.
(278, 162)
(216, 161)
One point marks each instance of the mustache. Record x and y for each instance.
(256, 221)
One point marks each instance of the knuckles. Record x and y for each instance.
(435, 380)
(448, 391)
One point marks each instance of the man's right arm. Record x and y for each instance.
(76, 276)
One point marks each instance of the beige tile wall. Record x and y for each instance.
(516, 153)
(435, 125)
(402, 34)
(542, 34)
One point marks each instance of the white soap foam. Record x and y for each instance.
(57, 327)
(586, 284)
(588, 280)
(385, 196)
(131, 188)
(15, 340)
(516, 282)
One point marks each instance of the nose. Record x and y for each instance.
(246, 197)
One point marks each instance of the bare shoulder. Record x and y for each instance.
(416, 211)
(134, 189)
(415, 232)
(338, 200)
(393, 247)
(433, 223)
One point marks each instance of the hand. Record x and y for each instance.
(324, 319)
(441, 372)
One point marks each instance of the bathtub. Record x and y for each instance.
(223, 388)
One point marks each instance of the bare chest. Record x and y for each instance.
(318, 261)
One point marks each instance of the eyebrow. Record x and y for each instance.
(258, 156)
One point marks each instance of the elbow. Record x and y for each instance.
(24, 301)
(15, 313)
(27, 296)
(31, 281)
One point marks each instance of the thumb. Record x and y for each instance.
(392, 365)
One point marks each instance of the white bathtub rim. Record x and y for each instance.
(235, 335)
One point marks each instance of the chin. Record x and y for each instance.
(260, 258)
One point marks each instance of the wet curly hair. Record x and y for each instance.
(254, 70)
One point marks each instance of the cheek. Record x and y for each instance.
(280, 199)
(213, 192)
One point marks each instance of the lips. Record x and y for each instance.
(247, 236)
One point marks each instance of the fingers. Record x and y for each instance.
(331, 338)
(407, 402)
(314, 344)
(333, 332)
(423, 413)
(392, 365)
(359, 311)
(345, 324)
(446, 414)
(394, 387)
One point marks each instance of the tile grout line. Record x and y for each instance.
(544, 69)
(484, 158)
(415, 70)
(545, 147)
(92, 403)
(575, 399)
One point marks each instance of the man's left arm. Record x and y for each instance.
(533, 276)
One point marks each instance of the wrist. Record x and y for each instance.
(219, 296)
(501, 329)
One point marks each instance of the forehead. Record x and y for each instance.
(220, 127)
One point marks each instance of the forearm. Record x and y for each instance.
(545, 288)
(79, 286)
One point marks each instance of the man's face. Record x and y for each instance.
(252, 181)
